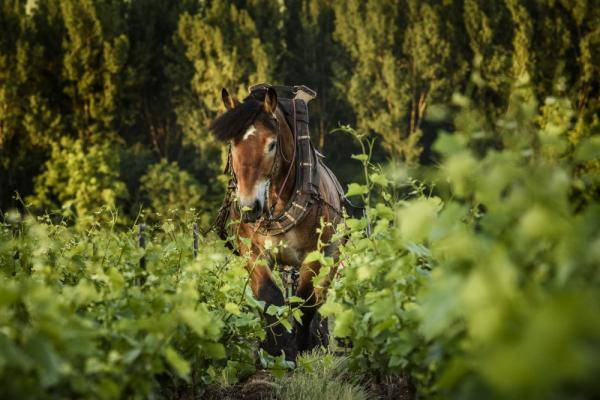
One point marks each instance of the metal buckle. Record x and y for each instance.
(301, 92)
(304, 93)
(252, 88)
(305, 89)
(289, 277)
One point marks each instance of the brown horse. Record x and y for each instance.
(282, 191)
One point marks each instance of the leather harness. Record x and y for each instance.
(307, 172)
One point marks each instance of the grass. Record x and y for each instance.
(321, 375)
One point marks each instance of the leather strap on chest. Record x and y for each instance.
(306, 187)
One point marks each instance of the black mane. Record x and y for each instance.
(233, 123)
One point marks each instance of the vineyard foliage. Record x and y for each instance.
(479, 279)
(474, 270)
(79, 318)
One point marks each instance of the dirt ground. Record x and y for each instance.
(261, 386)
(258, 387)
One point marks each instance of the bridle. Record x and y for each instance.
(278, 157)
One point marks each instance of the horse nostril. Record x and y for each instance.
(251, 214)
(256, 207)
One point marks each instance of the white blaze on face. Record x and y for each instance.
(258, 193)
(249, 132)
(260, 187)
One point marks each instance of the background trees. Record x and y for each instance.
(139, 81)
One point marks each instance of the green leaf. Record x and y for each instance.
(379, 179)
(272, 310)
(588, 149)
(356, 224)
(449, 144)
(384, 211)
(354, 189)
(215, 351)
(232, 308)
(330, 308)
(313, 256)
(12, 355)
(343, 324)
(132, 355)
(117, 282)
(9, 293)
(417, 218)
(197, 320)
(252, 302)
(286, 324)
(295, 299)
(179, 364)
(297, 314)
(47, 360)
(360, 157)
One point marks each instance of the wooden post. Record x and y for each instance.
(142, 244)
(195, 240)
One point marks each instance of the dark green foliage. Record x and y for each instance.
(408, 55)
(314, 58)
(80, 179)
(144, 76)
(165, 188)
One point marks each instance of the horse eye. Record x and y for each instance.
(272, 146)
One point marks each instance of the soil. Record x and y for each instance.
(261, 386)
(397, 387)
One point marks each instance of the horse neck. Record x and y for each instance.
(287, 143)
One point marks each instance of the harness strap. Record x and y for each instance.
(294, 140)
(306, 187)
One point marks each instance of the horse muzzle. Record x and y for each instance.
(253, 214)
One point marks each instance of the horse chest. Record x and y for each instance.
(290, 249)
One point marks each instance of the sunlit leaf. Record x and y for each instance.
(179, 364)
(354, 189)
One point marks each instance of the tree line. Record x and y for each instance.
(107, 103)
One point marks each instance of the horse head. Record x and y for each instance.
(254, 133)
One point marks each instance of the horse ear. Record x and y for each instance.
(229, 101)
(270, 103)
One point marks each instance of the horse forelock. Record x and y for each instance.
(234, 122)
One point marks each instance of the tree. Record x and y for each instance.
(96, 50)
(222, 43)
(404, 58)
(29, 119)
(145, 75)
(79, 179)
(167, 187)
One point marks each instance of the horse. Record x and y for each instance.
(282, 196)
